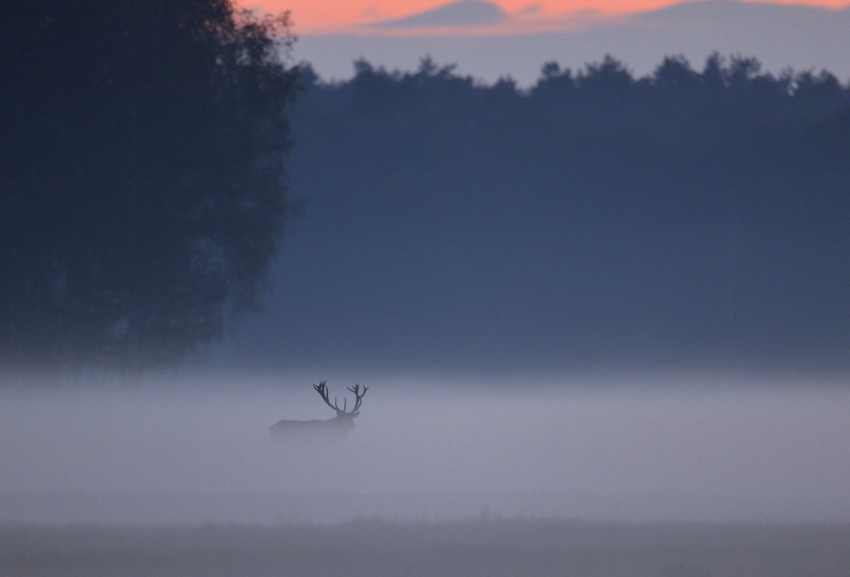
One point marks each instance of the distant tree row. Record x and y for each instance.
(606, 93)
(685, 216)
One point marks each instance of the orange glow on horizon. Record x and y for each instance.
(316, 16)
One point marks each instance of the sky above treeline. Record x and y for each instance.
(332, 16)
(493, 39)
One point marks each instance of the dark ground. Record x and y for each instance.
(492, 548)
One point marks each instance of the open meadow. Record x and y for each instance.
(373, 548)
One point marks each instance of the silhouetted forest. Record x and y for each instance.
(690, 217)
(687, 217)
(142, 177)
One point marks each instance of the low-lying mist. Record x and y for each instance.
(193, 448)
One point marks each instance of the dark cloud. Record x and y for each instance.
(461, 13)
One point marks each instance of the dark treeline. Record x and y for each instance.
(595, 218)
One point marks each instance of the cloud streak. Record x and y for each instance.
(463, 13)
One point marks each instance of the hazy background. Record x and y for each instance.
(441, 441)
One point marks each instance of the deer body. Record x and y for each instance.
(330, 430)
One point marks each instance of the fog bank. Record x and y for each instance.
(183, 451)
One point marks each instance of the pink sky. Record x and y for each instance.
(333, 15)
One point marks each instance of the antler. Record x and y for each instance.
(322, 389)
(358, 396)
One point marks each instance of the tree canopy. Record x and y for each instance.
(142, 177)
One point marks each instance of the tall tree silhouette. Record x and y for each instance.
(142, 176)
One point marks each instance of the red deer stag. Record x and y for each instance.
(322, 431)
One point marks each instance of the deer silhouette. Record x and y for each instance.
(330, 430)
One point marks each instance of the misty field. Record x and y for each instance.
(373, 548)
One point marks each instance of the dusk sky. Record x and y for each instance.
(324, 16)
(513, 38)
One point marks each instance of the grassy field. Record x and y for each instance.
(468, 549)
